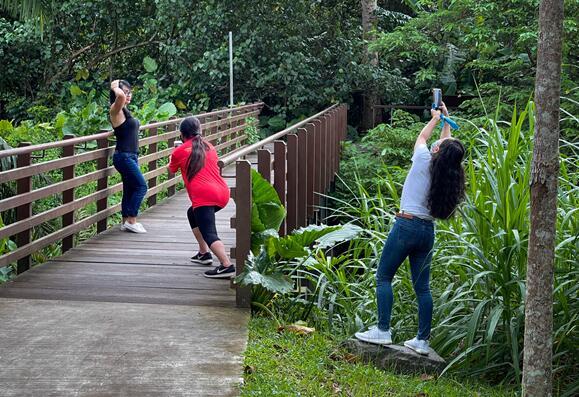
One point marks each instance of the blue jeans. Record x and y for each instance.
(412, 238)
(134, 185)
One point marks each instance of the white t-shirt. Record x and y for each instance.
(417, 184)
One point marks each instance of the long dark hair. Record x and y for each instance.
(122, 84)
(190, 128)
(446, 179)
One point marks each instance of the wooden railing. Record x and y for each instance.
(302, 166)
(76, 167)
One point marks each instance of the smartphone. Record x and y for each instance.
(437, 97)
(178, 143)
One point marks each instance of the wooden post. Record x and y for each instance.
(68, 195)
(336, 142)
(311, 168)
(264, 163)
(324, 157)
(102, 184)
(152, 200)
(24, 211)
(242, 225)
(292, 182)
(332, 148)
(318, 168)
(302, 179)
(279, 175)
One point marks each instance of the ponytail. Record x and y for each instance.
(197, 158)
(190, 128)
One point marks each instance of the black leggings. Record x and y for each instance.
(204, 219)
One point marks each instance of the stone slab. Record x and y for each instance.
(396, 358)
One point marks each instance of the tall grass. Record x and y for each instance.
(479, 265)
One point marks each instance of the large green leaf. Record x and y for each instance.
(297, 244)
(267, 211)
(274, 282)
(149, 64)
(306, 236)
(259, 271)
(286, 248)
(259, 238)
(166, 110)
(344, 233)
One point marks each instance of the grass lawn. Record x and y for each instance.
(287, 364)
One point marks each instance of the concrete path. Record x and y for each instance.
(124, 315)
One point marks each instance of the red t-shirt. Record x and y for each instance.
(207, 188)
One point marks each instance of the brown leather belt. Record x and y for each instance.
(404, 215)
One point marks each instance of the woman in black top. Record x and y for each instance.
(125, 158)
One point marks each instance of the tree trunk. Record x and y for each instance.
(537, 353)
(370, 98)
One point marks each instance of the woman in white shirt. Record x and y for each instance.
(432, 190)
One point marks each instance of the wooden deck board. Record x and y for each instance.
(125, 315)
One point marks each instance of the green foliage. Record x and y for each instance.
(267, 212)
(369, 159)
(287, 364)
(6, 245)
(478, 268)
(252, 130)
(316, 60)
(457, 44)
(280, 258)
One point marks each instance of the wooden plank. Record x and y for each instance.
(302, 177)
(292, 183)
(243, 230)
(68, 195)
(24, 211)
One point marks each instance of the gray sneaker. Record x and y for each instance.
(418, 345)
(375, 335)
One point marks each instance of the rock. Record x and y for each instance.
(396, 358)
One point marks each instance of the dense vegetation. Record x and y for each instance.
(298, 56)
(479, 265)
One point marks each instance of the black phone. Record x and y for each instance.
(437, 97)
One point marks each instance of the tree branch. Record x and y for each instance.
(121, 49)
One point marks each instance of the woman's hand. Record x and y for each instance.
(444, 109)
(435, 114)
(114, 84)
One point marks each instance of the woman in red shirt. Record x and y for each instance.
(197, 160)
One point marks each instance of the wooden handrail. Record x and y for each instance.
(107, 134)
(224, 161)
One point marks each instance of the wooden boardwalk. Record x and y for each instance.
(125, 315)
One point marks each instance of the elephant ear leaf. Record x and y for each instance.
(267, 212)
(343, 233)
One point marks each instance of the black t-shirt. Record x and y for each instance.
(127, 134)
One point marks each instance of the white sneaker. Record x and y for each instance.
(418, 345)
(375, 335)
(123, 227)
(134, 227)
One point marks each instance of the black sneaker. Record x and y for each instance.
(202, 259)
(221, 272)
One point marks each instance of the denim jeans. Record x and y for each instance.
(134, 185)
(412, 238)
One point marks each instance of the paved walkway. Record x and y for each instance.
(124, 315)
